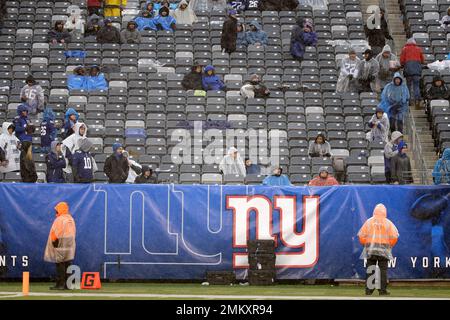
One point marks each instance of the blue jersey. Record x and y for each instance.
(82, 166)
(48, 132)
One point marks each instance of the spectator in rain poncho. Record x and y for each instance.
(394, 101)
(401, 166)
(72, 144)
(348, 72)
(209, 5)
(33, 95)
(229, 33)
(58, 34)
(55, 163)
(379, 126)
(75, 25)
(169, 5)
(277, 178)
(93, 26)
(367, 72)
(70, 119)
(232, 164)
(164, 21)
(108, 33)
(378, 235)
(241, 36)
(131, 34)
(211, 81)
(184, 14)
(113, 8)
(255, 88)
(320, 147)
(256, 36)
(27, 166)
(145, 21)
(77, 80)
(61, 244)
(389, 64)
(96, 80)
(441, 170)
(445, 21)
(150, 7)
(10, 146)
(390, 151)
(48, 130)
(302, 36)
(412, 60)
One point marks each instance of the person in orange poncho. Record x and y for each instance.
(378, 235)
(61, 245)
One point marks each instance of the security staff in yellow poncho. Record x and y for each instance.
(113, 8)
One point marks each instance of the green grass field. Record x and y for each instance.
(230, 292)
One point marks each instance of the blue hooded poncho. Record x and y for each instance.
(48, 129)
(211, 82)
(164, 23)
(395, 98)
(273, 180)
(144, 23)
(76, 82)
(68, 124)
(260, 36)
(441, 171)
(97, 82)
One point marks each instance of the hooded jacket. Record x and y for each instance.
(378, 234)
(108, 35)
(319, 149)
(301, 39)
(390, 150)
(229, 35)
(165, 23)
(128, 36)
(367, 71)
(395, 98)
(435, 92)
(59, 35)
(83, 164)
(441, 171)
(72, 144)
(27, 167)
(231, 166)
(68, 124)
(21, 123)
(241, 37)
(385, 75)
(55, 165)
(116, 168)
(76, 81)
(48, 129)
(77, 26)
(97, 82)
(318, 181)
(348, 70)
(8, 143)
(192, 80)
(377, 37)
(61, 242)
(144, 22)
(93, 25)
(34, 96)
(186, 16)
(412, 59)
(401, 168)
(277, 180)
(143, 179)
(211, 82)
(379, 131)
(258, 36)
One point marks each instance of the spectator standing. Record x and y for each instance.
(367, 70)
(323, 179)
(302, 36)
(390, 151)
(94, 6)
(412, 60)
(377, 35)
(58, 34)
(379, 127)
(71, 144)
(277, 178)
(320, 147)
(401, 166)
(348, 72)
(389, 64)
(256, 36)
(131, 34)
(441, 170)
(229, 33)
(232, 163)
(48, 130)
(113, 8)
(83, 163)
(27, 166)
(211, 81)
(378, 235)
(445, 21)
(33, 95)
(10, 146)
(70, 119)
(108, 33)
(23, 126)
(116, 165)
(55, 164)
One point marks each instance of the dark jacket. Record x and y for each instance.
(229, 35)
(142, 179)
(435, 92)
(401, 169)
(377, 37)
(63, 35)
(27, 167)
(279, 5)
(301, 39)
(108, 35)
(48, 129)
(192, 80)
(21, 123)
(55, 165)
(116, 168)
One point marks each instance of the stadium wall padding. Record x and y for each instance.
(182, 231)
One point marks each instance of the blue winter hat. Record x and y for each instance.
(22, 107)
(69, 112)
(116, 146)
(208, 68)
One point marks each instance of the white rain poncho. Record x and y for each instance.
(72, 143)
(379, 133)
(230, 165)
(186, 16)
(378, 235)
(61, 243)
(8, 142)
(348, 67)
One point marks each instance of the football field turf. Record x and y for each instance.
(196, 291)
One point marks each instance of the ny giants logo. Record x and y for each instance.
(305, 241)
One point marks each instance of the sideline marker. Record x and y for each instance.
(25, 283)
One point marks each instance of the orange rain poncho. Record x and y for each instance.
(378, 235)
(63, 231)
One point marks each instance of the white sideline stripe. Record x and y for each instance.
(187, 296)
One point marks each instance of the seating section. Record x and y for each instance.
(145, 105)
